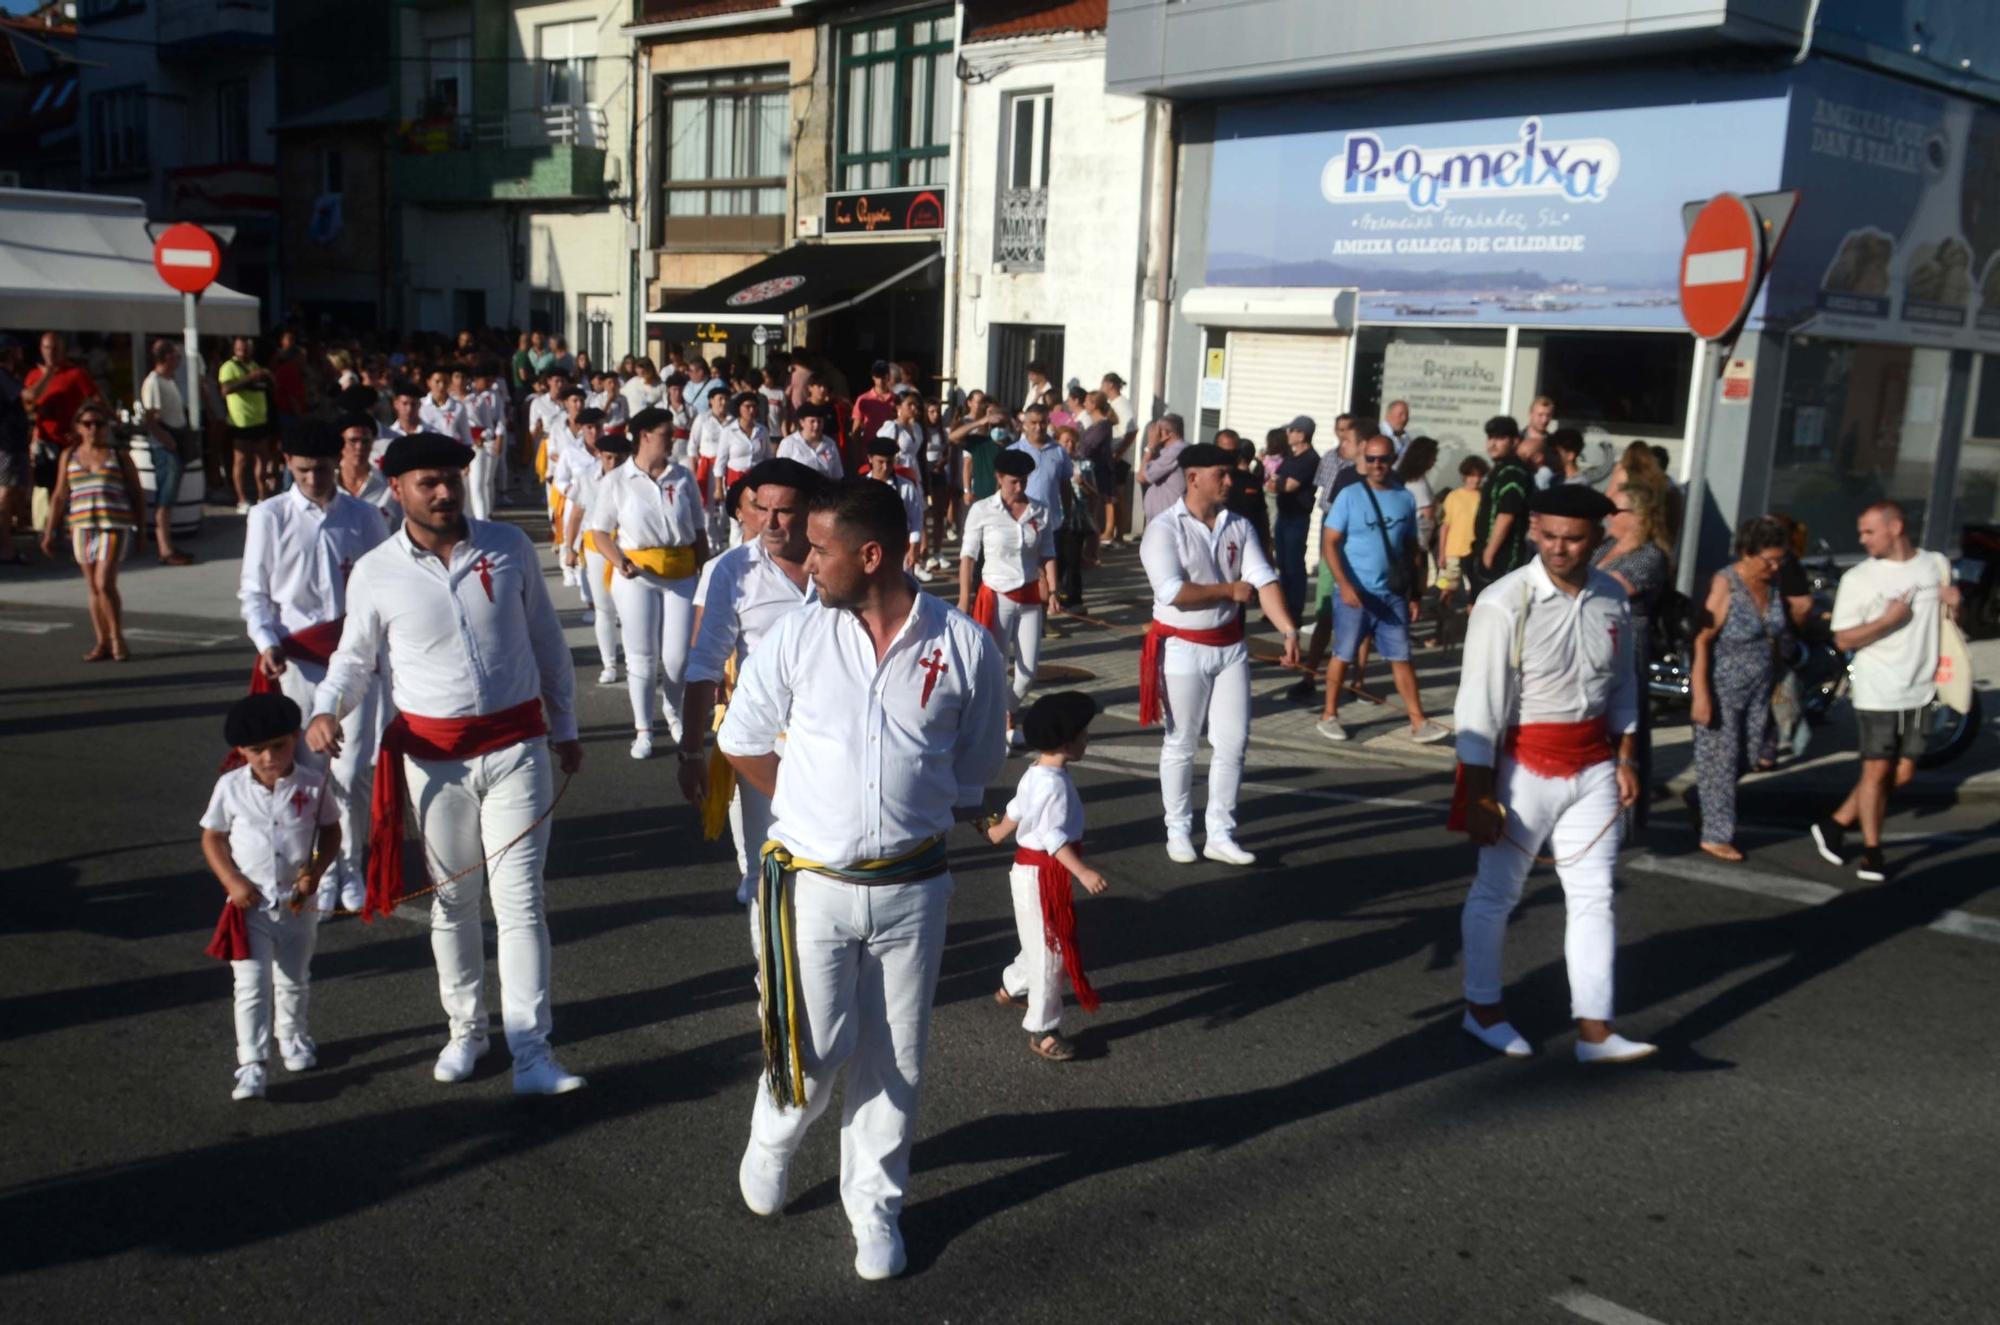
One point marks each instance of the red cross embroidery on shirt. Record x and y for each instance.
(934, 667)
(485, 569)
(1230, 548)
(1614, 634)
(668, 488)
(299, 802)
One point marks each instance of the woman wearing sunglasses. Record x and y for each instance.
(97, 496)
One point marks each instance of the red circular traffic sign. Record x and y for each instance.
(1722, 265)
(187, 258)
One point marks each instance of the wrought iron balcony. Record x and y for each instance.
(1021, 242)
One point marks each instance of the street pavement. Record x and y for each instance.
(1274, 1115)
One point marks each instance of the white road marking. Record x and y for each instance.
(1592, 1307)
(33, 627)
(1805, 892)
(181, 637)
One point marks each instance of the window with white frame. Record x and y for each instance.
(568, 55)
(118, 130)
(1020, 240)
(724, 148)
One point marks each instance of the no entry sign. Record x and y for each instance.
(187, 258)
(1722, 265)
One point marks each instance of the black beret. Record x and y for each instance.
(884, 446)
(1018, 463)
(616, 443)
(584, 416)
(355, 419)
(356, 399)
(648, 419)
(255, 719)
(1055, 720)
(1573, 501)
(424, 450)
(312, 439)
(405, 387)
(1206, 455)
(784, 473)
(732, 496)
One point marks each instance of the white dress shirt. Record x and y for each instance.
(1575, 660)
(913, 504)
(1178, 550)
(877, 755)
(452, 418)
(390, 432)
(478, 636)
(648, 511)
(586, 486)
(272, 829)
(1014, 548)
(740, 450)
(1046, 810)
(574, 462)
(638, 395)
(544, 411)
(375, 492)
(744, 594)
(487, 413)
(822, 455)
(705, 435)
(297, 556)
(908, 441)
(561, 441)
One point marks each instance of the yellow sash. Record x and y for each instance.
(542, 461)
(669, 563)
(721, 773)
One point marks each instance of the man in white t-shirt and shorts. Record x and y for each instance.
(1886, 613)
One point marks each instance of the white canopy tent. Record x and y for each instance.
(80, 262)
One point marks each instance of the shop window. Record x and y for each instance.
(724, 150)
(1979, 462)
(896, 85)
(1856, 424)
(1453, 380)
(118, 131)
(1628, 384)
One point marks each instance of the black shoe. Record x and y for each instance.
(1302, 692)
(1871, 869)
(1831, 840)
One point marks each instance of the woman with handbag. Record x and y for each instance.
(1735, 654)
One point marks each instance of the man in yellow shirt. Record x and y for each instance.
(1461, 512)
(246, 392)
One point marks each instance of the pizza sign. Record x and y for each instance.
(874, 211)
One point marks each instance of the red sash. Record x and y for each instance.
(1059, 919)
(704, 470)
(986, 604)
(1153, 660)
(1546, 749)
(729, 476)
(427, 739)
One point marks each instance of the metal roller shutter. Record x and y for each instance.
(1275, 376)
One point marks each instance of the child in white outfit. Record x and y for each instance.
(1046, 819)
(269, 834)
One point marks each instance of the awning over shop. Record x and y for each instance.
(823, 277)
(79, 262)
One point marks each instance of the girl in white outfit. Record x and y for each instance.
(586, 495)
(656, 559)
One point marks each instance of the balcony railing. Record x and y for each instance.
(186, 25)
(534, 126)
(1021, 242)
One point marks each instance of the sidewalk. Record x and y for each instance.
(1116, 593)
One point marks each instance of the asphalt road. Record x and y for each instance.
(1274, 1117)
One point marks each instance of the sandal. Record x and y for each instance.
(1723, 851)
(1049, 1045)
(1007, 1000)
(99, 652)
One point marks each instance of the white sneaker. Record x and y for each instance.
(1180, 849)
(878, 1251)
(1430, 733)
(1615, 1049)
(642, 746)
(1501, 1037)
(1331, 729)
(569, 576)
(300, 1054)
(455, 1063)
(544, 1076)
(328, 895)
(922, 572)
(1226, 851)
(243, 508)
(353, 893)
(249, 1082)
(609, 676)
(761, 1179)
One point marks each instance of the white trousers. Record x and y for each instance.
(750, 825)
(480, 479)
(868, 968)
(276, 975)
(1211, 681)
(352, 771)
(606, 622)
(1564, 813)
(1035, 971)
(656, 620)
(1020, 635)
(467, 809)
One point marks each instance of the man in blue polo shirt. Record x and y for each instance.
(1371, 546)
(1049, 484)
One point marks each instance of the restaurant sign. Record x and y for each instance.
(885, 211)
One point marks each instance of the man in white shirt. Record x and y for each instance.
(1547, 692)
(574, 470)
(748, 589)
(406, 403)
(443, 412)
(486, 424)
(881, 469)
(892, 706)
(561, 440)
(811, 447)
(1204, 563)
(1888, 612)
(299, 548)
(358, 476)
(166, 425)
(586, 494)
(1016, 538)
(1396, 425)
(458, 614)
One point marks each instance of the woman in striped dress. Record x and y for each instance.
(97, 491)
